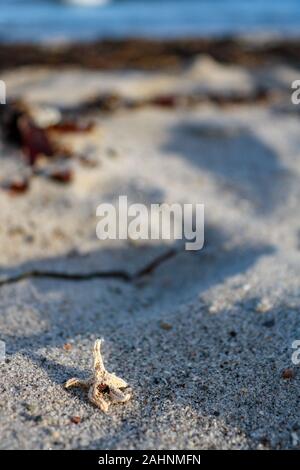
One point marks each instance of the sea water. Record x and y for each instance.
(52, 20)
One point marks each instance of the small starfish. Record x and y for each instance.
(102, 382)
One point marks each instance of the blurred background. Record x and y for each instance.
(89, 19)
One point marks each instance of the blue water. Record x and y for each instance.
(43, 20)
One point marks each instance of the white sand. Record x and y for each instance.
(214, 379)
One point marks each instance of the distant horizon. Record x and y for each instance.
(62, 20)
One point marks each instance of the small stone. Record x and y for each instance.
(55, 436)
(214, 308)
(165, 326)
(246, 287)
(75, 419)
(67, 346)
(264, 306)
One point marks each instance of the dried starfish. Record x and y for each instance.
(101, 383)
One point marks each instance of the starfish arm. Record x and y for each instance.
(98, 362)
(78, 383)
(97, 399)
(119, 396)
(114, 381)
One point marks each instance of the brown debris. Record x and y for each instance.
(165, 326)
(20, 129)
(17, 186)
(39, 143)
(288, 374)
(70, 126)
(165, 101)
(63, 175)
(75, 419)
(147, 54)
(259, 96)
(34, 140)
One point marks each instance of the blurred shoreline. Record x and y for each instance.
(150, 54)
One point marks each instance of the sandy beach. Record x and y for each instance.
(203, 338)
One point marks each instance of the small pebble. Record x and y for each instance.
(165, 326)
(264, 306)
(288, 374)
(75, 419)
